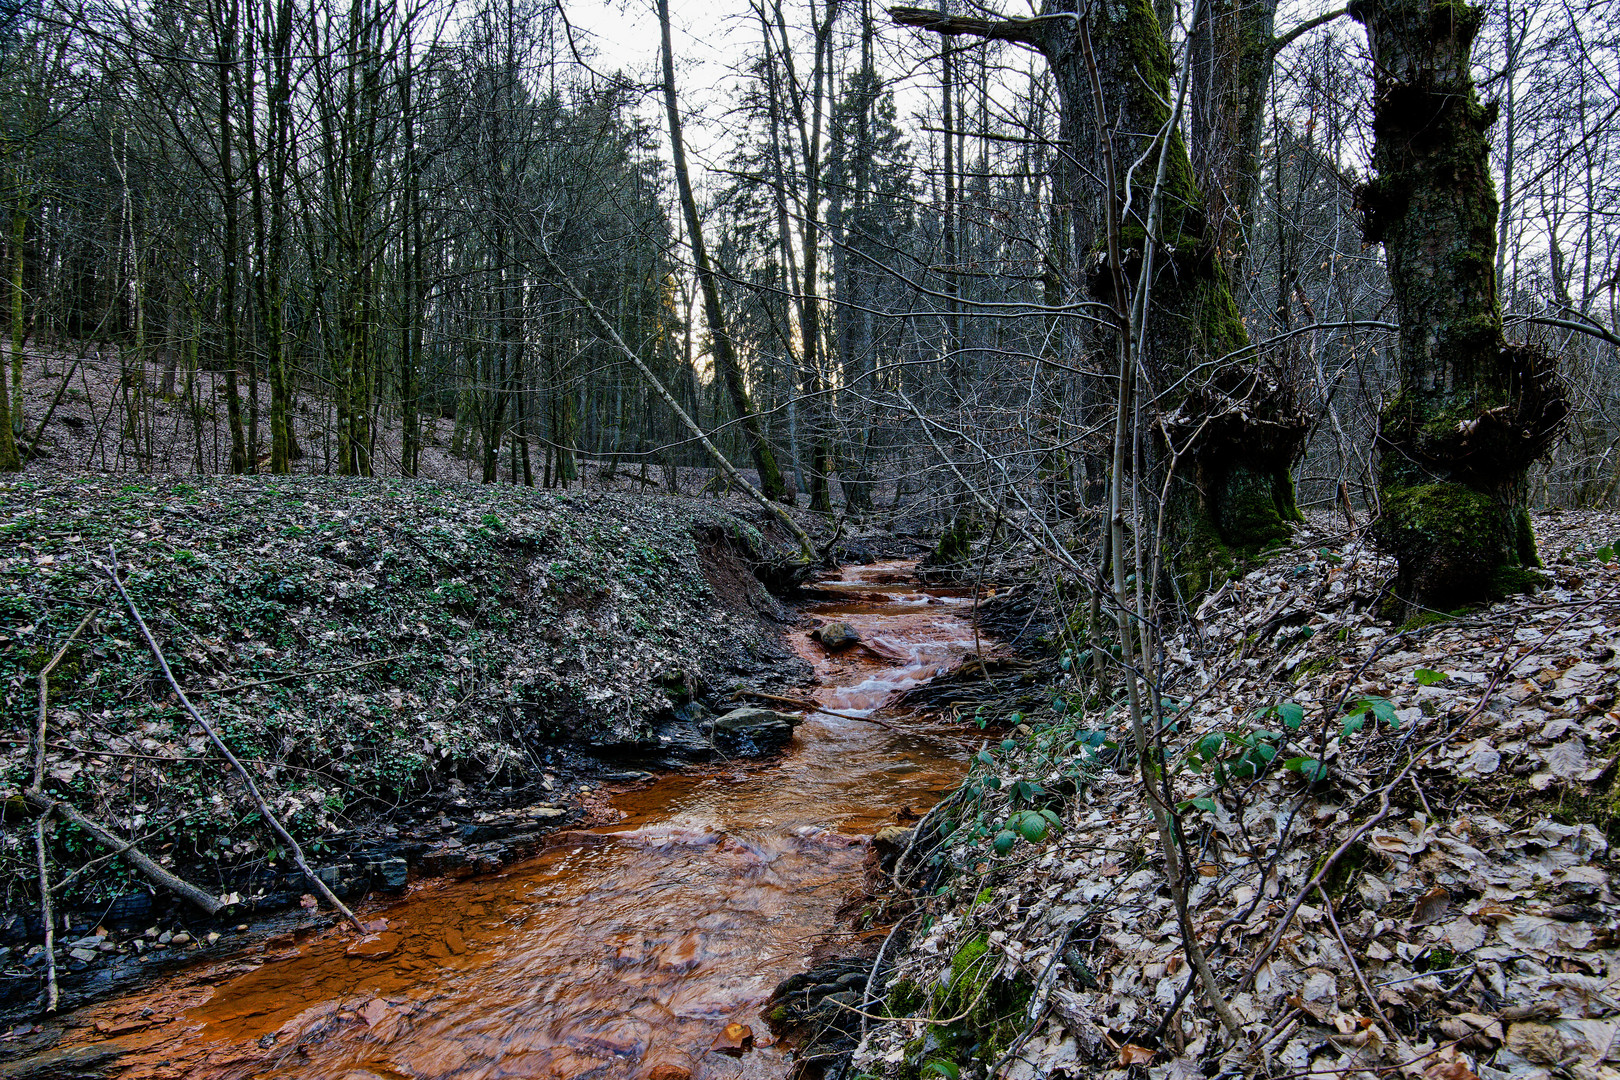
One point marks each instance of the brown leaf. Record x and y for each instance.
(1449, 1070)
(307, 902)
(1431, 906)
(1131, 1054)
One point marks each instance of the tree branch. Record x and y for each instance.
(219, 744)
(1282, 41)
(1025, 31)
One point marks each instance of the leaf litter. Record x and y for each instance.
(1412, 876)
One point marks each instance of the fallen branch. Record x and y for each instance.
(234, 687)
(47, 914)
(138, 859)
(610, 336)
(247, 778)
(810, 706)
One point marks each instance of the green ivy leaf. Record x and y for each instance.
(1031, 827)
(1291, 714)
(1309, 768)
(1429, 677)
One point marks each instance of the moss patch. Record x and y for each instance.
(1455, 545)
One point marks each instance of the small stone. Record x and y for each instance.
(85, 955)
(374, 946)
(734, 1039)
(182, 938)
(165, 937)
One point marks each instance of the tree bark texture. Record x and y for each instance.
(1472, 412)
(725, 354)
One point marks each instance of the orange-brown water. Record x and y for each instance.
(622, 951)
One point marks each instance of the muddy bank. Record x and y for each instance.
(425, 678)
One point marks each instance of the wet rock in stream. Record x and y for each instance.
(819, 1011)
(836, 636)
(695, 735)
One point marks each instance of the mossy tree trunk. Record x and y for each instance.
(1472, 412)
(1230, 430)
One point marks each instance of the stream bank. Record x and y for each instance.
(426, 679)
(624, 949)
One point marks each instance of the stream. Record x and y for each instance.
(622, 950)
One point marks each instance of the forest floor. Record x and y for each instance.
(1400, 846)
(423, 677)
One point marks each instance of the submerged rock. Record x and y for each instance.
(890, 843)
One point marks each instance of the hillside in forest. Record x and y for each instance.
(1395, 843)
(369, 647)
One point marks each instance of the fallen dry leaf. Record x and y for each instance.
(1431, 906)
(734, 1039)
(1449, 1070)
(1131, 1054)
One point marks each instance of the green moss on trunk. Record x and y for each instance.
(1472, 413)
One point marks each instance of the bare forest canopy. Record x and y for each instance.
(933, 259)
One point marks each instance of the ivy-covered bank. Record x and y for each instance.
(365, 646)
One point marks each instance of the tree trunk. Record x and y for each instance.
(725, 356)
(1472, 413)
(1231, 50)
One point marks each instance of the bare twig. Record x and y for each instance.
(219, 744)
(47, 913)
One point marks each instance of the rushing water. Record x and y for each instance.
(622, 951)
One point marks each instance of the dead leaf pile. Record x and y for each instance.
(1414, 878)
